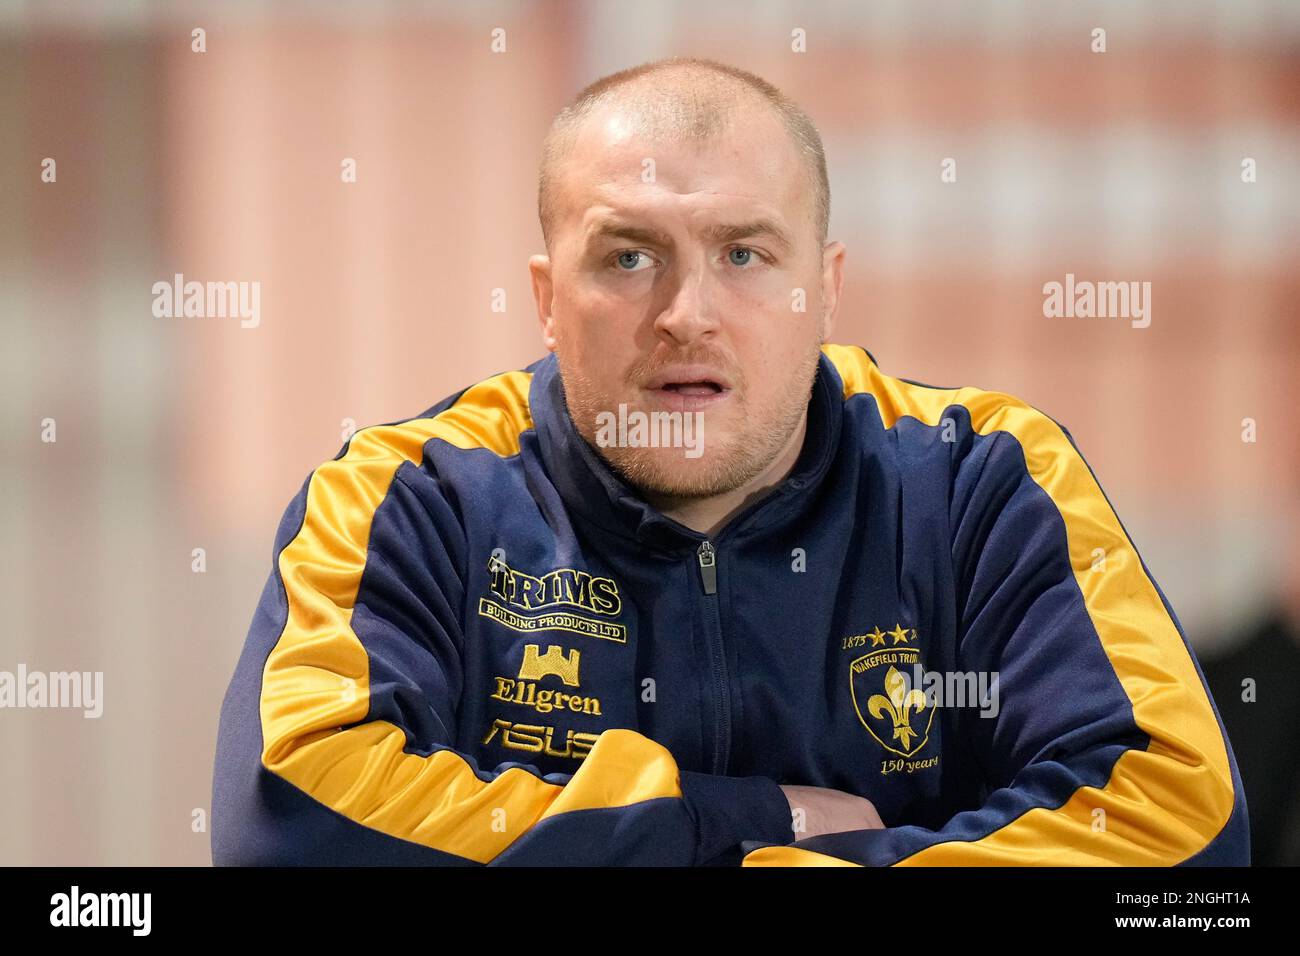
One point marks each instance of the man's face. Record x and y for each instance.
(688, 278)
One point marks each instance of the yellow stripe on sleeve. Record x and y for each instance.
(316, 679)
(1163, 804)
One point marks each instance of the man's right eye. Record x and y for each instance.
(631, 260)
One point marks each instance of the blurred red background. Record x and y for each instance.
(176, 434)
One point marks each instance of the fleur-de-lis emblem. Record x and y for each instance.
(902, 706)
(899, 704)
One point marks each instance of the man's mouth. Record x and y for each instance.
(686, 389)
(684, 376)
(692, 388)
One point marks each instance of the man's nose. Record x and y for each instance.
(692, 307)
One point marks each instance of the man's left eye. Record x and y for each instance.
(741, 256)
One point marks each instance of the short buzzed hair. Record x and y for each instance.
(696, 112)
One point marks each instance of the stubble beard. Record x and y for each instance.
(727, 463)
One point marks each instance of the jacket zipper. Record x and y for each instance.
(707, 557)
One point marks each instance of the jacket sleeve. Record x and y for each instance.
(337, 738)
(1104, 747)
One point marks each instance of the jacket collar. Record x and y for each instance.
(589, 487)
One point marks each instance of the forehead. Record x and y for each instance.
(619, 162)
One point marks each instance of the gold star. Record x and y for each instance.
(876, 637)
(898, 634)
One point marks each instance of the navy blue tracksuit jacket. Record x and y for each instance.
(477, 646)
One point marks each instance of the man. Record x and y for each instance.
(694, 588)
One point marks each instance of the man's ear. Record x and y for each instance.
(539, 268)
(832, 283)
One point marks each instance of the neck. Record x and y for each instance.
(710, 515)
